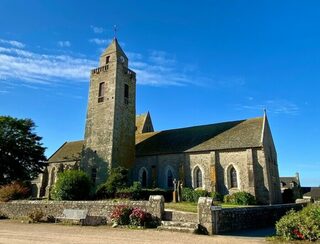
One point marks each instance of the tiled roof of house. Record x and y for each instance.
(227, 135)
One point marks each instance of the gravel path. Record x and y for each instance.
(15, 232)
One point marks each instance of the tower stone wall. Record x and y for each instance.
(110, 121)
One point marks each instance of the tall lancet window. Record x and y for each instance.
(126, 94)
(169, 178)
(233, 178)
(197, 177)
(101, 92)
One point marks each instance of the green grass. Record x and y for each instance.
(192, 206)
(182, 206)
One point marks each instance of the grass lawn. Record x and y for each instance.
(192, 206)
(182, 206)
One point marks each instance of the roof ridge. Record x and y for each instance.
(195, 126)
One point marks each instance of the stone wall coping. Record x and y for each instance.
(108, 202)
(255, 207)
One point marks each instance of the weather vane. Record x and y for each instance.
(115, 31)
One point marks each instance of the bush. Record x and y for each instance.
(137, 217)
(302, 225)
(120, 215)
(124, 215)
(36, 215)
(240, 198)
(13, 191)
(117, 179)
(216, 196)
(72, 185)
(133, 192)
(191, 195)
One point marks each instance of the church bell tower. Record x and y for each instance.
(110, 122)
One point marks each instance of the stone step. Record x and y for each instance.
(178, 226)
(191, 225)
(173, 215)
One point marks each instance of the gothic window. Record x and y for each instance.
(101, 92)
(143, 176)
(52, 176)
(233, 178)
(107, 59)
(93, 175)
(144, 179)
(197, 177)
(169, 178)
(126, 94)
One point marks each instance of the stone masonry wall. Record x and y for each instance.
(98, 210)
(214, 220)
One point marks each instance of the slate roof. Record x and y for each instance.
(69, 151)
(287, 180)
(314, 193)
(227, 135)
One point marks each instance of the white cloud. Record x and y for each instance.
(99, 41)
(64, 43)
(156, 68)
(96, 29)
(276, 106)
(12, 43)
(31, 67)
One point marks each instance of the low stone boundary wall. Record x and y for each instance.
(215, 220)
(99, 212)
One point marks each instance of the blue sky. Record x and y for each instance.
(196, 62)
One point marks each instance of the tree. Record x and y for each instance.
(21, 151)
(72, 185)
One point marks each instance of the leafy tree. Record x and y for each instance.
(117, 179)
(21, 151)
(72, 185)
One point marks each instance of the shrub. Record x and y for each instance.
(133, 192)
(13, 191)
(302, 225)
(3, 216)
(216, 196)
(240, 198)
(120, 215)
(72, 185)
(191, 195)
(117, 179)
(137, 217)
(36, 215)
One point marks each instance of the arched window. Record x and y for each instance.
(169, 178)
(233, 178)
(143, 176)
(197, 177)
(53, 176)
(144, 179)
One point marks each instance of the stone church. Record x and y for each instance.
(225, 157)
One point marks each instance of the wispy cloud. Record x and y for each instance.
(31, 67)
(97, 30)
(100, 41)
(12, 43)
(157, 68)
(276, 106)
(64, 43)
